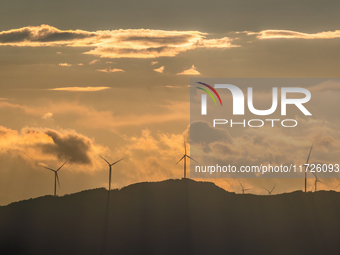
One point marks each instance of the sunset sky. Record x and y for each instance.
(79, 79)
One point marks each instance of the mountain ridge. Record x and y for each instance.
(172, 217)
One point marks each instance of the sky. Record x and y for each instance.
(84, 79)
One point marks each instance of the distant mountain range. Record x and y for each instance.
(172, 217)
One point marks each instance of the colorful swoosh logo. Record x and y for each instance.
(212, 89)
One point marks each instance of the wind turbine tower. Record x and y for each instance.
(316, 182)
(110, 169)
(56, 177)
(185, 156)
(306, 167)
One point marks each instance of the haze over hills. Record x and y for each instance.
(172, 217)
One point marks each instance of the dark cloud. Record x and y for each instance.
(43, 33)
(202, 132)
(71, 146)
(62, 36)
(169, 39)
(14, 36)
(150, 50)
(221, 148)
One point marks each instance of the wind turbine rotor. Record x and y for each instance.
(192, 159)
(312, 187)
(116, 162)
(49, 168)
(266, 189)
(180, 160)
(62, 165)
(309, 153)
(104, 160)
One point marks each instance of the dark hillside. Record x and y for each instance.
(172, 217)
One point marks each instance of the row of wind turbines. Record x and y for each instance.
(317, 180)
(56, 177)
(184, 157)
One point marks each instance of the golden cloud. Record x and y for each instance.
(288, 34)
(94, 61)
(152, 157)
(159, 70)
(129, 43)
(41, 144)
(80, 89)
(191, 71)
(47, 116)
(91, 118)
(64, 64)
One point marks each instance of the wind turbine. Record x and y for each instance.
(269, 191)
(243, 189)
(110, 169)
(316, 182)
(56, 178)
(306, 167)
(185, 156)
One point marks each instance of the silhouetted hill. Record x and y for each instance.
(172, 217)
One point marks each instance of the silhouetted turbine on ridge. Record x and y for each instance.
(306, 168)
(270, 191)
(110, 169)
(243, 189)
(56, 178)
(185, 156)
(316, 182)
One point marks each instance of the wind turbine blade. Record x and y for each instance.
(247, 189)
(338, 185)
(57, 179)
(312, 187)
(192, 159)
(62, 165)
(315, 175)
(322, 182)
(265, 189)
(309, 153)
(273, 188)
(185, 148)
(180, 160)
(116, 162)
(240, 184)
(105, 160)
(48, 168)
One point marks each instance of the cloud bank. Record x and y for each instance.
(129, 43)
(288, 34)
